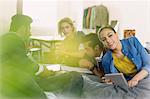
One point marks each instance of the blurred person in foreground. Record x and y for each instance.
(17, 71)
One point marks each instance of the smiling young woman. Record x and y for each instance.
(134, 58)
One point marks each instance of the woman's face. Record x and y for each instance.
(109, 38)
(66, 28)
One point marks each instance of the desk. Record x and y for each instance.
(47, 41)
(61, 67)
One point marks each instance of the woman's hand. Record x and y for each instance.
(107, 81)
(132, 83)
(138, 77)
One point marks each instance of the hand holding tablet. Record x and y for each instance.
(117, 79)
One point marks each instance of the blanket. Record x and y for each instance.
(96, 90)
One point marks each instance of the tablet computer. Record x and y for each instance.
(117, 79)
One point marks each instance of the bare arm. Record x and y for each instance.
(138, 77)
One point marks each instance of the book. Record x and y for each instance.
(117, 79)
(60, 67)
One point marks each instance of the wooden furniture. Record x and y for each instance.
(44, 42)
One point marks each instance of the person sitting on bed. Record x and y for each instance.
(125, 56)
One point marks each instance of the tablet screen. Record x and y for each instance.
(117, 79)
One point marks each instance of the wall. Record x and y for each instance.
(44, 15)
(72, 9)
(7, 9)
(130, 14)
(47, 13)
(133, 14)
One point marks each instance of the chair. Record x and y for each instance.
(36, 53)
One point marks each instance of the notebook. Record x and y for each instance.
(60, 67)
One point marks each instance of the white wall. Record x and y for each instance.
(7, 10)
(44, 15)
(72, 9)
(47, 13)
(133, 14)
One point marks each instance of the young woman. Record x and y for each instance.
(70, 46)
(127, 56)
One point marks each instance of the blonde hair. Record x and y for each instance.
(67, 20)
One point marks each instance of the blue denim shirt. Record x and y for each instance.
(133, 49)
